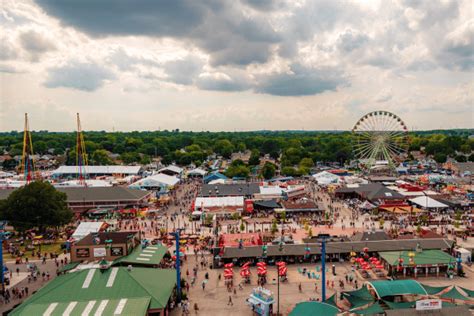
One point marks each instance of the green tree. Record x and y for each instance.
(268, 170)
(224, 147)
(40, 147)
(288, 171)
(130, 157)
(241, 147)
(9, 164)
(274, 227)
(440, 157)
(254, 158)
(241, 171)
(306, 163)
(101, 157)
(37, 204)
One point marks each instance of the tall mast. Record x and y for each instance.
(27, 167)
(81, 155)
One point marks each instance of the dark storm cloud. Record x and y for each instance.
(263, 5)
(302, 81)
(85, 76)
(219, 28)
(124, 17)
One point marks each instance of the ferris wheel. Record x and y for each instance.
(380, 138)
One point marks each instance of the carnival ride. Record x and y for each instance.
(27, 166)
(380, 140)
(81, 155)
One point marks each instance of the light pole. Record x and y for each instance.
(323, 268)
(278, 291)
(176, 235)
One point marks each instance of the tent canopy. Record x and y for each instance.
(401, 305)
(469, 293)
(455, 294)
(426, 201)
(314, 308)
(397, 287)
(432, 290)
(373, 309)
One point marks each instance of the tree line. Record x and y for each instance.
(296, 151)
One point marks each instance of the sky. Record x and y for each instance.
(235, 65)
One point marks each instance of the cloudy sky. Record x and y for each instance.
(234, 65)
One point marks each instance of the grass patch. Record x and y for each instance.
(54, 248)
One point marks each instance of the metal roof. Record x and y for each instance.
(103, 194)
(151, 255)
(339, 247)
(385, 288)
(425, 257)
(247, 189)
(86, 194)
(117, 283)
(156, 180)
(126, 306)
(98, 170)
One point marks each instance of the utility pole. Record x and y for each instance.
(323, 268)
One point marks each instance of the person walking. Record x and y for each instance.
(230, 301)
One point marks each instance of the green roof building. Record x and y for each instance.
(423, 262)
(115, 291)
(150, 256)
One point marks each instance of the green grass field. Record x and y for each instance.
(54, 248)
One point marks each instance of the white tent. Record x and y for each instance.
(155, 181)
(89, 183)
(427, 202)
(217, 181)
(270, 190)
(197, 172)
(219, 201)
(325, 178)
(85, 228)
(172, 168)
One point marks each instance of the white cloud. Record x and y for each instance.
(247, 59)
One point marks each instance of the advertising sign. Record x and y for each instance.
(100, 252)
(116, 251)
(82, 252)
(430, 304)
